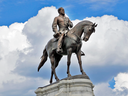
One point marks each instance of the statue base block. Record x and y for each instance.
(79, 85)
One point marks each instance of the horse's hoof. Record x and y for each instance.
(84, 73)
(57, 79)
(50, 82)
(69, 75)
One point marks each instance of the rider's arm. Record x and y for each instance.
(70, 23)
(54, 25)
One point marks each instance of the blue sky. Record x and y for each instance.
(21, 10)
(25, 27)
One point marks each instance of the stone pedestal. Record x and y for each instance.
(79, 85)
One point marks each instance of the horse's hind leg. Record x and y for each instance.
(57, 59)
(80, 62)
(52, 59)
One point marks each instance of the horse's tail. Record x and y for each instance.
(43, 59)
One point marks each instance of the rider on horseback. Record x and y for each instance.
(72, 42)
(63, 23)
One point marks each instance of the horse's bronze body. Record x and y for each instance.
(72, 44)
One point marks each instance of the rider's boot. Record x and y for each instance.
(59, 46)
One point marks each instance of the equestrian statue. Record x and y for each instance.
(66, 42)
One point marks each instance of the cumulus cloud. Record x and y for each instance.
(11, 38)
(102, 89)
(121, 87)
(23, 86)
(121, 82)
(108, 45)
(11, 41)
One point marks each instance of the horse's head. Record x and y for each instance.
(88, 30)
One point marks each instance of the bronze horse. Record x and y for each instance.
(72, 44)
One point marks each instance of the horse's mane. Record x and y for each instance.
(84, 23)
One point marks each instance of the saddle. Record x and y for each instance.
(56, 38)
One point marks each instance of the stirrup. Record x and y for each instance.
(82, 53)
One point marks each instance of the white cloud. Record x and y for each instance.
(121, 82)
(12, 42)
(121, 87)
(25, 86)
(42, 22)
(102, 89)
(108, 45)
(11, 38)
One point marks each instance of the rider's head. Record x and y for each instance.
(61, 11)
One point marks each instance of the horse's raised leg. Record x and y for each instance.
(52, 59)
(69, 53)
(80, 62)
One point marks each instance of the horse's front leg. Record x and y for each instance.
(80, 62)
(51, 76)
(69, 53)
